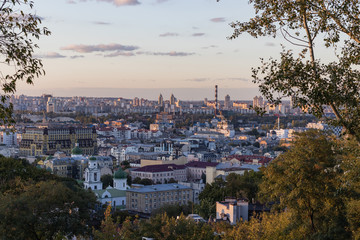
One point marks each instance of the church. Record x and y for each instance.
(116, 196)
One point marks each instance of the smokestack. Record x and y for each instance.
(216, 99)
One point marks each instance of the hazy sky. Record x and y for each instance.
(155, 44)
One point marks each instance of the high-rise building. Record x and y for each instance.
(172, 99)
(227, 102)
(136, 101)
(258, 101)
(160, 100)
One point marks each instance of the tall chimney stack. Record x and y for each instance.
(216, 100)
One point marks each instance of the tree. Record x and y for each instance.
(310, 83)
(107, 180)
(108, 229)
(17, 31)
(35, 204)
(44, 210)
(306, 181)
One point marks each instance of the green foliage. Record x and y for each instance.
(173, 210)
(107, 180)
(108, 229)
(17, 32)
(243, 186)
(305, 181)
(144, 181)
(239, 186)
(37, 205)
(310, 83)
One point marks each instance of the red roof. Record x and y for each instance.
(160, 168)
(197, 164)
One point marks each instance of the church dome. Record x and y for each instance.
(119, 174)
(92, 158)
(76, 151)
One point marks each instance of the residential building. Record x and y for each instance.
(145, 199)
(232, 210)
(161, 173)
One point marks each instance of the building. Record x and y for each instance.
(9, 138)
(232, 210)
(161, 173)
(197, 169)
(116, 196)
(145, 199)
(258, 101)
(92, 175)
(47, 141)
(161, 100)
(227, 103)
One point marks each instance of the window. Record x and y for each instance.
(95, 177)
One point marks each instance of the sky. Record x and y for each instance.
(139, 48)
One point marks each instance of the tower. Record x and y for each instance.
(227, 102)
(120, 178)
(172, 99)
(160, 100)
(92, 175)
(216, 100)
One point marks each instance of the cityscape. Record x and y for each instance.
(134, 119)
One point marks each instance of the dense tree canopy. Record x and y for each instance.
(18, 29)
(309, 82)
(35, 204)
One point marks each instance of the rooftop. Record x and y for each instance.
(160, 168)
(159, 188)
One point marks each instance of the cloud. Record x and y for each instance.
(99, 48)
(119, 3)
(218, 19)
(171, 54)
(233, 79)
(161, 1)
(101, 23)
(76, 56)
(198, 79)
(50, 55)
(270, 44)
(71, 2)
(169, 34)
(217, 79)
(116, 54)
(198, 34)
(211, 46)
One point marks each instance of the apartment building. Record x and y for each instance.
(145, 199)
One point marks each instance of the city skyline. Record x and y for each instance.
(130, 44)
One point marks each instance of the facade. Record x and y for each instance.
(197, 169)
(145, 199)
(116, 196)
(92, 175)
(47, 141)
(232, 210)
(161, 173)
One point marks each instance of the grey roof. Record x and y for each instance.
(159, 188)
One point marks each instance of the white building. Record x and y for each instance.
(116, 196)
(92, 175)
(232, 210)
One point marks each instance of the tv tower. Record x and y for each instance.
(216, 99)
